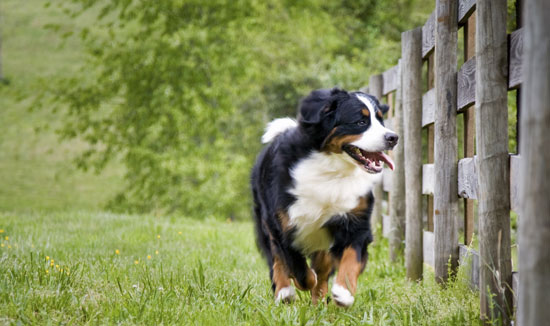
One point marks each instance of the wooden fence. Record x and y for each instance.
(421, 207)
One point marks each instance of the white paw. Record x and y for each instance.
(341, 295)
(285, 295)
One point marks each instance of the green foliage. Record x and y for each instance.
(205, 273)
(181, 90)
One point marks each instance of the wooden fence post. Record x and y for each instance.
(397, 194)
(375, 88)
(534, 220)
(445, 146)
(411, 53)
(492, 160)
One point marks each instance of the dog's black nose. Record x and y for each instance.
(391, 139)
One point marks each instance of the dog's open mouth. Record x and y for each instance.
(372, 162)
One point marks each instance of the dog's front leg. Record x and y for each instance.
(350, 266)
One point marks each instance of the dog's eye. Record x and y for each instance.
(361, 123)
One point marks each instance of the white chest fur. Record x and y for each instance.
(325, 185)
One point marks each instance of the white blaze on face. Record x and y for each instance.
(372, 140)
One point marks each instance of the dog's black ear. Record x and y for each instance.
(384, 108)
(318, 104)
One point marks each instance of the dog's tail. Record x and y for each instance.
(277, 127)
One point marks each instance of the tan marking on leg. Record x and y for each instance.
(311, 281)
(280, 275)
(343, 289)
(322, 263)
(349, 270)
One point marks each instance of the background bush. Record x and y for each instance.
(180, 91)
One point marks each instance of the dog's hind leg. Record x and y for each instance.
(304, 277)
(323, 265)
(283, 289)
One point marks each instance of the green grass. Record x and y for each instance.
(210, 274)
(36, 171)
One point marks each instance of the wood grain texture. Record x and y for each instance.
(514, 59)
(515, 175)
(469, 125)
(492, 159)
(397, 195)
(465, 9)
(391, 78)
(445, 141)
(466, 80)
(427, 179)
(534, 221)
(411, 54)
(470, 259)
(467, 178)
(375, 88)
(428, 107)
(428, 36)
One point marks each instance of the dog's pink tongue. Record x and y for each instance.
(387, 160)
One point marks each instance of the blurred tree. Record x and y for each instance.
(180, 89)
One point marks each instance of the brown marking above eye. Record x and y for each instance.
(379, 114)
(366, 112)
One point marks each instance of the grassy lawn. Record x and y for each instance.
(100, 268)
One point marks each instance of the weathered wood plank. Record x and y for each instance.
(469, 258)
(515, 289)
(534, 221)
(388, 123)
(428, 248)
(445, 141)
(469, 126)
(465, 9)
(428, 107)
(467, 178)
(514, 59)
(411, 54)
(492, 159)
(386, 228)
(375, 88)
(387, 175)
(515, 174)
(428, 179)
(397, 195)
(466, 80)
(428, 35)
(390, 77)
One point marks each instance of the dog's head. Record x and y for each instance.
(350, 124)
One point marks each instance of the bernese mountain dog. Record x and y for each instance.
(312, 187)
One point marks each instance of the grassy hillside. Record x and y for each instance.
(36, 171)
(64, 268)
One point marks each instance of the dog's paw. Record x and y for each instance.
(342, 296)
(285, 295)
